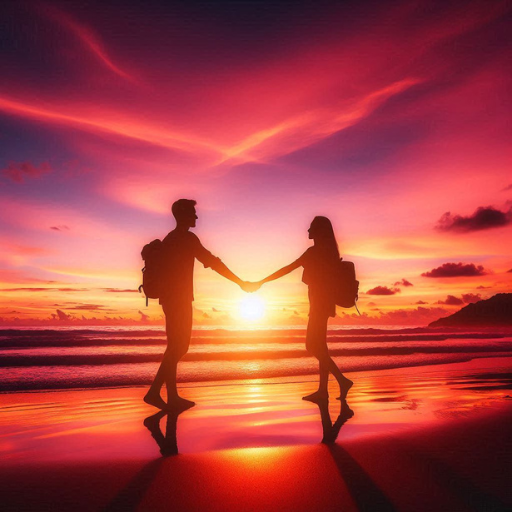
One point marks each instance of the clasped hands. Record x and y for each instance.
(250, 287)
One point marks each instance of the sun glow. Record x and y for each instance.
(251, 307)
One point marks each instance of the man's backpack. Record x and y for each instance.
(152, 273)
(347, 288)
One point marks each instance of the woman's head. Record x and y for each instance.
(322, 233)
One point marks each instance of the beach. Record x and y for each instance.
(433, 437)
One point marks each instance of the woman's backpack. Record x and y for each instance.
(152, 273)
(347, 288)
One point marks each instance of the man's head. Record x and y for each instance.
(184, 211)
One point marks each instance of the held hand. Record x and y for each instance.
(250, 287)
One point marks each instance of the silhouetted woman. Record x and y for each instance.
(320, 263)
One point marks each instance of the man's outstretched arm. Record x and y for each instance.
(209, 260)
(224, 271)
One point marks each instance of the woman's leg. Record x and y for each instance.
(344, 383)
(316, 344)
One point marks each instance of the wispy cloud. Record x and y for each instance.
(116, 123)
(310, 126)
(87, 36)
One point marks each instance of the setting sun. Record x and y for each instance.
(251, 307)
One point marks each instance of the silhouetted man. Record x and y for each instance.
(181, 248)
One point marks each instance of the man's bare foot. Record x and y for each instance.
(345, 411)
(345, 389)
(155, 400)
(317, 396)
(179, 403)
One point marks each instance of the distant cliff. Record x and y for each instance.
(494, 311)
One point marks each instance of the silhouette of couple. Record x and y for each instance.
(182, 247)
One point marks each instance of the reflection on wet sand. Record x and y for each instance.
(168, 444)
(425, 428)
(331, 430)
(85, 425)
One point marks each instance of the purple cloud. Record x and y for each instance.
(403, 282)
(486, 217)
(119, 290)
(456, 270)
(18, 172)
(451, 300)
(469, 298)
(383, 290)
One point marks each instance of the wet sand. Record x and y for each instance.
(423, 438)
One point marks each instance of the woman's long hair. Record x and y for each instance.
(325, 237)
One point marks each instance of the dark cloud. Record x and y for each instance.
(89, 307)
(456, 270)
(28, 289)
(62, 227)
(451, 300)
(403, 282)
(18, 172)
(383, 290)
(61, 316)
(119, 290)
(484, 218)
(481, 287)
(507, 188)
(469, 298)
(509, 271)
(421, 302)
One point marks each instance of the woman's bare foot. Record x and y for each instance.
(155, 400)
(344, 389)
(152, 423)
(179, 403)
(317, 396)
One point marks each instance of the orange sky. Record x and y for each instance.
(381, 117)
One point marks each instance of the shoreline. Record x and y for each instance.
(306, 376)
(420, 439)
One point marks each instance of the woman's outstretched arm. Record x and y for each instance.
(253, 287)
(282, 272)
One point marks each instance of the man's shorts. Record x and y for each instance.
(178, 327)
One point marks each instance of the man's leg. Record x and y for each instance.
(178, 326)
(168, 365)
(153, 396)
(179, 332)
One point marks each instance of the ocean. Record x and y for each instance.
(99, 357)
